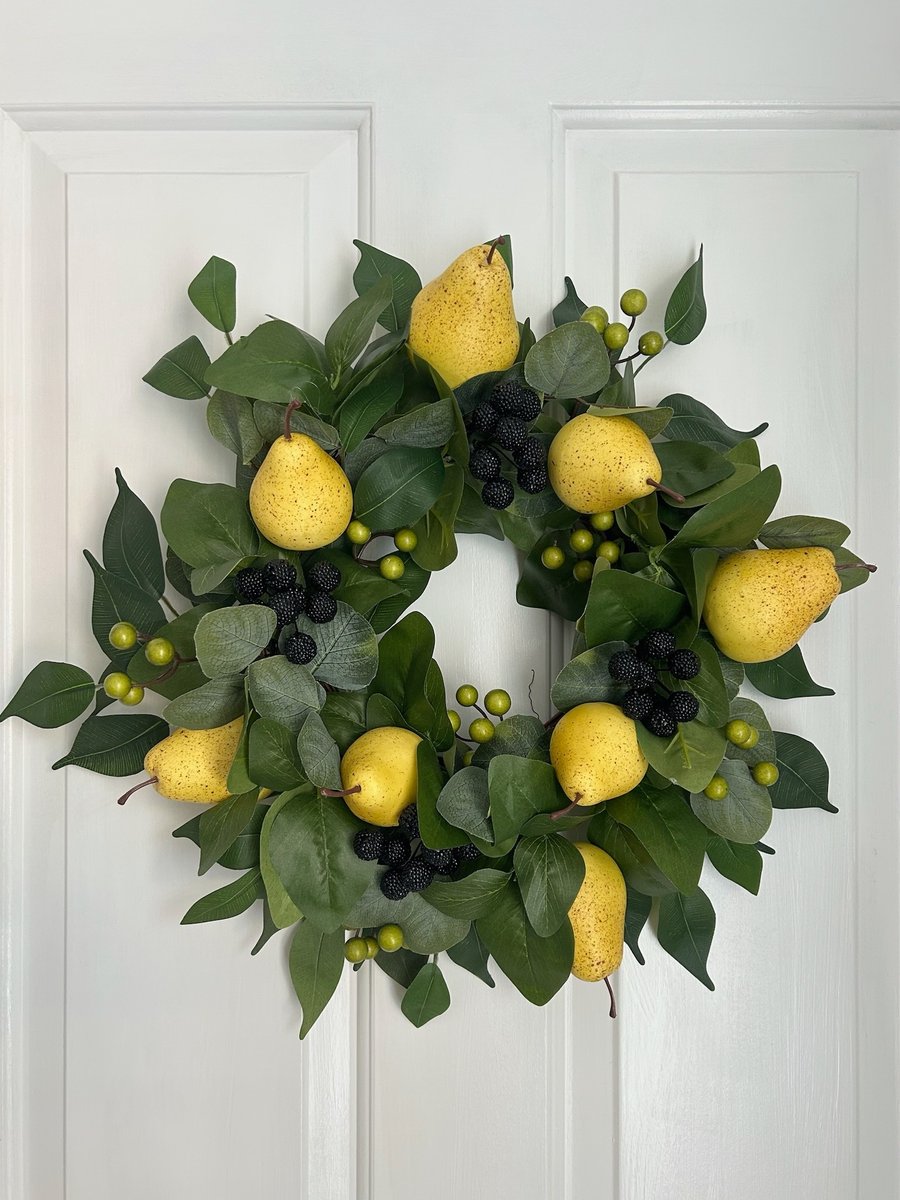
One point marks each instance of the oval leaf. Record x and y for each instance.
(52, 694)
(570, 361)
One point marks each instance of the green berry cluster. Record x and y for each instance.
(616, 334)
(581, 542)
(158, 651)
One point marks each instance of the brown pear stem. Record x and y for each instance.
(612, 998)
(288, 413)
(500, 241)
(137, 787)
(549, 724)
(666, 491)
(338, 792)
(870, 567)
(561, 812)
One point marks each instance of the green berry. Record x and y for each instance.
(765, 773)
(553, 557)
(609, 551)
(454, 718)
(583, 570)
(581, 540)
(633, 302)
(390, 938)
(355, 949)
(392, 566)
(616, 335)
(497, 702)
(116, 685)
(133, 696)
(650, 343)
(406, 539)
(737, 732)
(159, 651)
(752, 739)
(717, 788)
(602, 521)
(123, 635)
(466, 695)
(372, 947)
(358, 533)
(596, 316)
(481, 730)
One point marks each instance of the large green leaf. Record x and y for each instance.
(734, 519)
(180, 372)
(651, 420)
(637, 910)
(274, 761)
(284, 692)
(623, 607)
(228, 901)
(739, 863)
(243, 853)
(214, 703)
(520, 789)
(464, 803)
(708, 686)
(745, 814)
(537, 966)
(404, 655)
(426, 997)
(231, 421)
(114, 600)
(319, 755)
(187, 675)
(470, 897)
(689, 467)
(346, 649)
(549, 872)
(222, 825)
(431, 424)
(402, 965)
(229, 639)
(586, 679)
(435, 831)
(269, 419)
(667, 829)
(686, 310)
(375, 264)
(275, 362)
(114, 745)
(398, 487)
(208, 524)
(131, 542)
(471, 954)
(436, 545)
(52, 694)
(787, 532)
(558, 590)
(694, 422)
(685, 930)
(803, 778)
(367, 405)
(690, 758)
(785, 677)
(519, 735)
(570, 361)
(316, 961)
(426, 930)
(212, 292)
(351, 329)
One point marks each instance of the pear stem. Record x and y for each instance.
(612, 998)
(500, 241)
(561, 812)
(549, 724)
(137, 787)
(338, 792)
(666, 491)
(870, 567)
(288, 413)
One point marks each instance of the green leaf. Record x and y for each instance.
(694, 570)
(464, 803)
(741, 864)
(568, 362)
(115, 600)
(426, 930)
(207, 524)
(52, 694)
(436, 547)
(685, 931)
(319, 755)
(520, 788)
(344, 717)
(346, 649)
(689, 467)
(850, 579)
(375, 264)
(239, 780)
(226, 902)
(131, 542)
(282, 691)
(284, 911)
(114, 745)
(803, 778)
(708, 686)
(181, 373)
(694, 422)
(187, 675)
(537, 966)
(519, 735)
(637, 911)
(557, 591)
(367, 405)
(785, 677)
(623, 607)
(214, 703)
(686, 310)
(222, 825)
(351, 330)
(409, 589)
(652, 420)
(269, 419)
(746, 812)
(570, 307)
(274, 761)
(229, 639)
(690, 758)
(243, 853)
(667, 829)
(231, 422)
(311, 848)
(426, 997)
(549, 871)
(213, 293)
(585, 679)
(786, 532)
(404, 655)
(276, 362)
(316, 962)
(748, 710)
(401, 965)
(399, 487)
(428, 425)
(734, 519)
(470, 897)
(434, 830)
(471, 954)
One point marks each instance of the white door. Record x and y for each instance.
(142, 1059)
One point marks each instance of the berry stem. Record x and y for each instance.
(666, 491)
(137, 787)
(288, 413)
(612, 998)
(628, 358)
(481, 710)
(870, 567)
(339, 792)
(500, 241)
(561, 812)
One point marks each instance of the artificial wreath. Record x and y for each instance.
(307, 711)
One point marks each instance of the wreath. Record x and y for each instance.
(302, 702)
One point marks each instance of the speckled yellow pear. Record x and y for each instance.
(463, 323)
(193, 764)
(760, 602)
(595, 753)
(300, 498)
(382, 764)
(597, 916)
(601, 463)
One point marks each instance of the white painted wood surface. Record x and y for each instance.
(142, 1059)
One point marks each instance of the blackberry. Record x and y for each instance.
(510, 433)
(529, 406)
(368, 844)
(284, 608)
(683, 706)
(657, 644)
(394, 886)
(638, 703)
(467, 853)
(441, 860)
(484, 418)
(532, 453)
(683, 664)
(661, 723)
(484, 463)
(300, 649)
(320, 607)
(296, 597)
(498, 493)
(417, 875)
(516, 400)
(249, 583)
(409, 821)
(625, 667)
(647, 676)
(279, 575)
(323, 576)
(395, 849)
(533, 481)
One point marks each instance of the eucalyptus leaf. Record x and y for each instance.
(270, 417)
(346, 649)
(214, 703)
(743, 709)
(519, 735)
(229, 639)
(651, 420)
(585, 679)
(520, 788)
(282, 691)
(273, 758)
(663, 823)
(428, 425)
(464, 803)
(208, 523)
(568, 362)
(319, 755)
(745, 814)
(231, 422)
(690, 758)
(622, 607)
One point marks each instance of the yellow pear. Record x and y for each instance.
(463, 323)
(595, 753)
(382, 764)
(760, 602)
(300, 498)
(193, 764)
(600, 463)
(597, 916)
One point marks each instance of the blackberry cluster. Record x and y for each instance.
(409, 869)
(505, 420)
(648, 699)
(275, 585)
